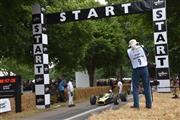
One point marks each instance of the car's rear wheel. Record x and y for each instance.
(93, 100)
(123, 97)
(115, 100)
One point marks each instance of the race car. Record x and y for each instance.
(107, 98)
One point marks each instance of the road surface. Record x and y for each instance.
(80, 112)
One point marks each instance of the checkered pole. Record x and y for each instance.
(41, 59)
(161, 45)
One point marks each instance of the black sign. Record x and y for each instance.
(39, 79)
(99, 12)
(159, 3)
(8, 86)
(47, 89)
(36, 18)
(154, 83)
(40, 100)
(162, 73)
(11, 87)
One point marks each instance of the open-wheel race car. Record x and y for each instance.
(108, 98)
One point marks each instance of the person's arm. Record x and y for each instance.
(129, 60)
(146, 51)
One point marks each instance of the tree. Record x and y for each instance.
(15, 37)
(8, 65)
(173, 35)
(73, 46)
(106, 49)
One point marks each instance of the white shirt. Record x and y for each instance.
(70, 86)
(120, 86)
(138, 57)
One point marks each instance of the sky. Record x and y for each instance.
(103, 2)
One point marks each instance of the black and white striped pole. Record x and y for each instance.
(41, 59)
(161, 45)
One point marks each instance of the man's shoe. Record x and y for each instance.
(73, 105)
(175, 96)
(134, 107)
(148, 107)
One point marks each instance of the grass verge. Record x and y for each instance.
(164, 108)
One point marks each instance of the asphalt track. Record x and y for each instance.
(80, 112)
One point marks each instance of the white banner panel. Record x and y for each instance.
(44, 39)
(164, 86)
(82, 79)
(5, 105)
(47, 99)
(160, 38)
(45, 59)
(37, 29)
(46, 79)
(39, 89)
(38, 49)
(159, 14)
(39, 69)
(162, 61)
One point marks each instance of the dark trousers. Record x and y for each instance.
(61, 96)
(144, 74)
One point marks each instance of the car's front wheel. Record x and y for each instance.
(93, 100)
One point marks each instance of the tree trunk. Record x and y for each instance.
(119, 72)
(91, 71)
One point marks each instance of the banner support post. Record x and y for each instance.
(161, 45)
(41, 58)
(18, 95)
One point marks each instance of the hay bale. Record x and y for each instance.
(29, 103)
(82, 93)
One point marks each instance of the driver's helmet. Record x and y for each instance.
(110, 91)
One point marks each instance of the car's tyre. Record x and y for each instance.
(123, 97)
(93, 100)
(115, 100)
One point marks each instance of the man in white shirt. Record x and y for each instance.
(120, 86)
(70, 90)
(139, 63)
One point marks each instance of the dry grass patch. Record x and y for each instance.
(164, 108)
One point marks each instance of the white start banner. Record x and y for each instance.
(5, 105)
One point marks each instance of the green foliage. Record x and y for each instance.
(173, 11)
(10, 65)
(88, 44)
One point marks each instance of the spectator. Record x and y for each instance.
(70, 90)
(112, 85)
(177, 79)
(53, 91)
(120, 86)
(61, 86)
(33, 86)
(138, 57)
(98, 83)
(111, 93)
